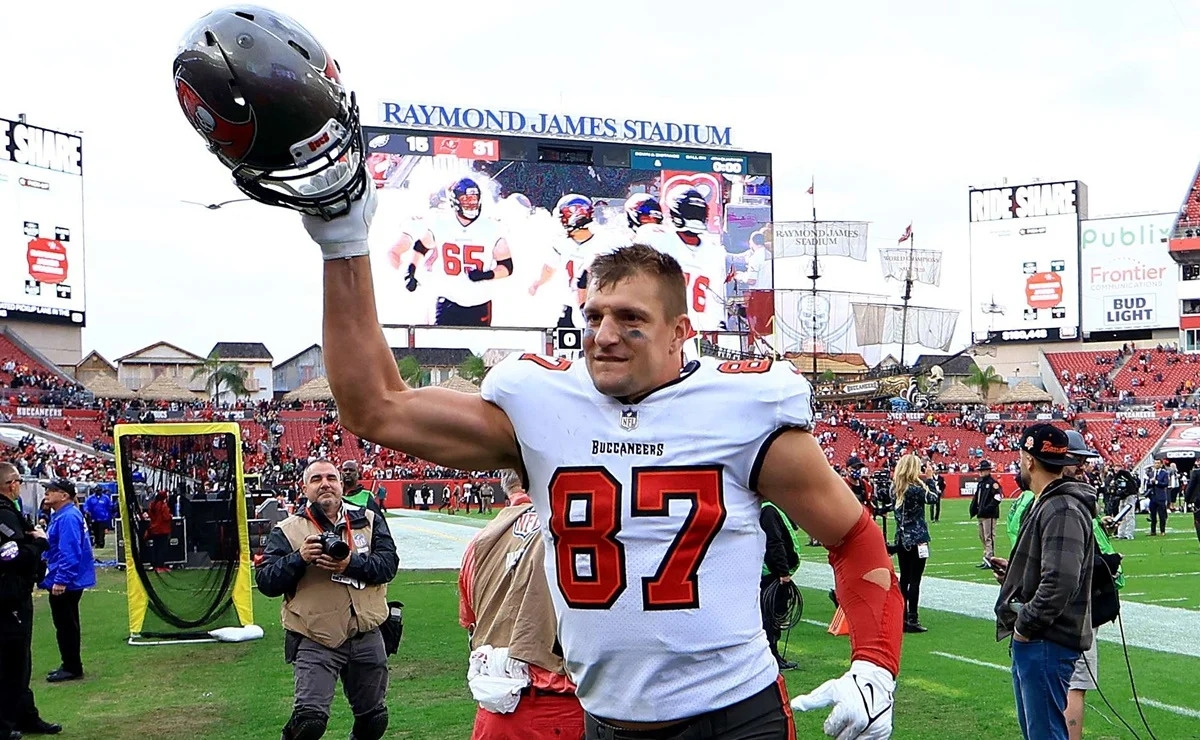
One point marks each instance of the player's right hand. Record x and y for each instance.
(862, 702)
(410, 278)
(346, 235)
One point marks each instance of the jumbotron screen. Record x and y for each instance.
(479, 231)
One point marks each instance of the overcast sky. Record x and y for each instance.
(894, 108)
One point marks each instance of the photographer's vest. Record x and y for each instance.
(509, 592)
(322, 609)
(794, 532)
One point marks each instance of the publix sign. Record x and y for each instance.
(1127, 273)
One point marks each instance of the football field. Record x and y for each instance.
(954, 681)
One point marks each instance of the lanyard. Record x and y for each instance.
(345, 515)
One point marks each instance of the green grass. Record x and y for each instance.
(231, 691)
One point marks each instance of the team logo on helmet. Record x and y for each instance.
(230, 138)
(575, 211)
(643, 209)
(689, 210)
(465, 198)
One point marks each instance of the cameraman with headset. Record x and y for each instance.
(332, 563)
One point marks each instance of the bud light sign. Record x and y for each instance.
(1128, 276)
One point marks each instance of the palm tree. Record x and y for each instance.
(411, 372)
(983, 379)
(472, 369)
(220, 375)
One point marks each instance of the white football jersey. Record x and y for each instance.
(653, 544)
(460, 249)
(703, 265)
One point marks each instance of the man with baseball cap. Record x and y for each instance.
(70, 569)
(1045, 596)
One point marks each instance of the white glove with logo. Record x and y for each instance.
(862, 703)
(345, 236)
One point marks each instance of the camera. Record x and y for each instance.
(334, 546)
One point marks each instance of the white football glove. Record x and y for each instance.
(345, 235)
(862, 703)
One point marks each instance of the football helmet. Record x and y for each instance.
(642, 208)
(575, 211)
(465, 198)
(269, 101)
(689, 210)
(520, 201)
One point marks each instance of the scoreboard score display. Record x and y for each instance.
(468, 231)
(41, 225)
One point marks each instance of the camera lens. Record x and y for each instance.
(337, 549)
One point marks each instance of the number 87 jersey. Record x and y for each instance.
(653, 544)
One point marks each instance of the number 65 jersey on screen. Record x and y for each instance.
(654, 549)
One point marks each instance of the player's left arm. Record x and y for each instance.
(795, 476)
(504, 264)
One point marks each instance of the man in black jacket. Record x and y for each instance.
(1045, 596)
(781, 561)
(985, 506)
(21, 548)
(333, 605)
(1191, 495)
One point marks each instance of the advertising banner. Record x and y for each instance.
(41, 225)
(1025, 261)
(1129, 278)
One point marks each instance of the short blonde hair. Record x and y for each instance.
(510, 480)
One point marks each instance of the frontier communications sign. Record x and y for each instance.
(1128, 275)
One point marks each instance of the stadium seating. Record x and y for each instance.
(1139, 375)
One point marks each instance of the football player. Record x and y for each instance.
(577, 214)
(699, 253)
(654, 550)
(457, 247)
(642, 209)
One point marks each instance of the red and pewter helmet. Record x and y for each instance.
(269, 101)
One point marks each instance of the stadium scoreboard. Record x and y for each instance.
(637, 156)
(504, 257)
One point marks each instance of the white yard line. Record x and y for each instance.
(1184, 711)
(972, 661)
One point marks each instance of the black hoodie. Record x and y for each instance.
(1048, 589)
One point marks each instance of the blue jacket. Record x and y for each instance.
(99, 508)
(69, 558)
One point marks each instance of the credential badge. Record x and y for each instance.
(629, 420)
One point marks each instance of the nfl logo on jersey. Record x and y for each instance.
(629, 420)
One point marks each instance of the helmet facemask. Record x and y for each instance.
(328, 176)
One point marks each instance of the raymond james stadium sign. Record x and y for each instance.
(505, 121)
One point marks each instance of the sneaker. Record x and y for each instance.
(41, 727)
(59, 676)
(786, 665)
(914, 626)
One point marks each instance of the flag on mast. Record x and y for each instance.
(906, 235)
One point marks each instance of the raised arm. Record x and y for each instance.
(446, 427)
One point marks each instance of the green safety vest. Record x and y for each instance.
(793, 531)
(359, 498)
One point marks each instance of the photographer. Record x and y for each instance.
(858, 480)
(332, 564)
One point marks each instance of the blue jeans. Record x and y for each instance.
(1041, 671)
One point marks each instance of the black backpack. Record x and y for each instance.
(1106, 604)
